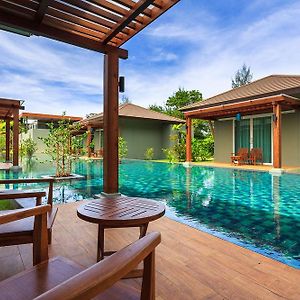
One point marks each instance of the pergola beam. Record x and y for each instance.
(111, 128)
(7, 140)
(188, 139)
(41, 11)
(59, 35)
(16, 138)
(88, 141)
(137, 9)
(277, 156)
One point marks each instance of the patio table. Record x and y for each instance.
(119, 212)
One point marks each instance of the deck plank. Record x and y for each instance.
(190, 264)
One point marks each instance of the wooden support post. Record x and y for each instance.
(188, 139)
(16, 137)
(88, 141)
(111, 115)
(277, 136)
(7, 140)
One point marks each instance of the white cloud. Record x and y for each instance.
(49, 79)
(269, 46)
(193, 52)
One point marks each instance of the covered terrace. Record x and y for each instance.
(101, 26)
(9, 111)
(274, 105)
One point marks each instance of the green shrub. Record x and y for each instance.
(123, 149)
(170, 154)
(202, 149)
(149, 154)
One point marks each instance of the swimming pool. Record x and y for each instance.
(253, 209)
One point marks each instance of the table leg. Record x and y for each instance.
(100, 249)
(143, 230)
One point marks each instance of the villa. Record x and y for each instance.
(227, 234)
(141, 128)
(263, 114)
(36, 125)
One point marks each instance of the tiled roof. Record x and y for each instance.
(136, 111)
(267, 86)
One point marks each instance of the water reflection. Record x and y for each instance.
(253, 207)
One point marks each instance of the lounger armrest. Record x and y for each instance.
(33, 180)
(19, 214)
(25, 180)
(19, 194)
(101, 276)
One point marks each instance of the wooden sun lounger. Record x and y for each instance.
(241, 157)
(256, 156)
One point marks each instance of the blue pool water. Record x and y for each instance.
(253, 209)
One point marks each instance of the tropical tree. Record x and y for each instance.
(180, 99)
(60, 145)
(28, 147)
(157, 108)
(242, 76)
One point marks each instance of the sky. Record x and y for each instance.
(197, 44)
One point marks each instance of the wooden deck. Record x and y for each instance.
(190, 264)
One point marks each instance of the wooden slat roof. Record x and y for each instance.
(7, 107)
(267, 86)
(130, 110)
(99, 25)
(38, 116)
(247, 107)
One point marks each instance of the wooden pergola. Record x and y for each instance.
(9, 111)
(99, 25)
(273, 104)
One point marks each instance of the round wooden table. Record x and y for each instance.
(119, 212)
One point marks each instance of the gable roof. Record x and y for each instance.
(135, 111)
(267, 86)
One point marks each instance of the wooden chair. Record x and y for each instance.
(21, 231)
(99, 153)
(255, 156)
(241, 157)
(60, 278)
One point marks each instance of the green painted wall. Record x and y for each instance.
(291, 139)
(35, 134)
(223, 141)
(97, 139)
(141, 134)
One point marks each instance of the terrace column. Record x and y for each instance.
(277, 136)
(110, 119)
(7, 140)
(188, 139)
(88, 141)
(16, 138)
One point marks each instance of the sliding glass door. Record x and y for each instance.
(255, 133)
(262, 128)
(242, 134)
